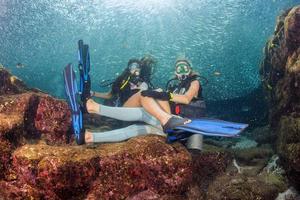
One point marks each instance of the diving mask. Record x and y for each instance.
(134, 68)
(183, 70)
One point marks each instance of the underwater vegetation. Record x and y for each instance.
(40, 160)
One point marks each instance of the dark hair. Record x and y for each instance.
(133, 60)
(148, 64)
(123, 76)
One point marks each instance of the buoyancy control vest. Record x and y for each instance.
(196, 108)
(127, 87)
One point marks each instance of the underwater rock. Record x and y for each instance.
(64, 171)
(245, 143)
(34, 115)
(247, 182)
(150, 195)
(289, 194)
(238, 186)
(20, 191)
(289, 147)
(211, 162)
(109, 171)
(292, 29)
(253, 155)
(14, 191)
(16, 112)
(53, 120)
(141, 163)
(146, 195)
(10, 84)
(262, 135)
(280, 72)
(5, 154)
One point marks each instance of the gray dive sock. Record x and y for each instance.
(122, 134)
(128, 114)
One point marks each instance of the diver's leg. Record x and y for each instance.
(165, 105)
(167, 120)
(122, 113)
(134, 101)
(149, 104)
(154, 109)
(121, 134)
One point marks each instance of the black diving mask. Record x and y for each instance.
(134, 68)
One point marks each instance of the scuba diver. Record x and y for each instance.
(183, 99)
(135, 78)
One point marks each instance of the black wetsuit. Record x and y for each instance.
(196, 108)
(126, 89)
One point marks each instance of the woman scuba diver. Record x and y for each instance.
(193, 109)
(188, 84)
(185, 97)
(127, 84)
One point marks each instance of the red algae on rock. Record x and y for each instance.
(142, 163)
(66, 171)
(5, 155)
(20, 191)
(110, 171)
(53, 120)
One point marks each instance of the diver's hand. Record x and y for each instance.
(165, 96)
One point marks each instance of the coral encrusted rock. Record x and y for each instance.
(280, 72)
(109, 171)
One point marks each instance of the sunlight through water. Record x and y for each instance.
(222, 38)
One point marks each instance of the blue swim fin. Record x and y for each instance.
(208, 127)
(214, 126)
(72, 92)
(84, 69)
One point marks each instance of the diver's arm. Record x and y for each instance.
(102, 95)
(188, 96)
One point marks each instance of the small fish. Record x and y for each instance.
(20, 65)
(269, 87)
(216, 73)
(245, 108)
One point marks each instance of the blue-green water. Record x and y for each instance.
(222, 38)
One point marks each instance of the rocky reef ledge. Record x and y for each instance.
(39, 159)
(280, 72)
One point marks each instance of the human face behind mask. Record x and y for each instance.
(134, 69)
(182, 70)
